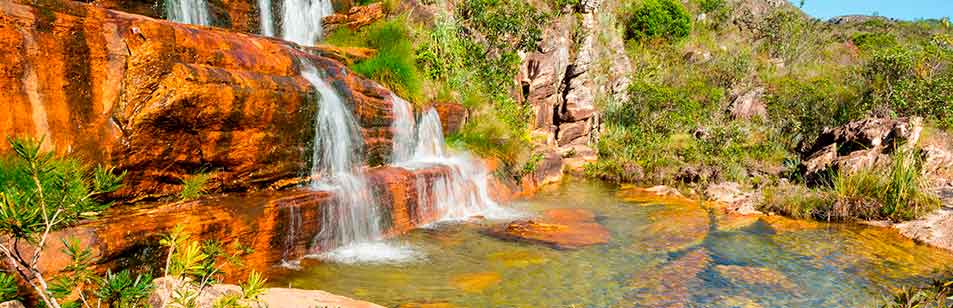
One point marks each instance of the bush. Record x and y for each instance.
(936, 295)
(653, 19)
(395, 64)
(790, 35)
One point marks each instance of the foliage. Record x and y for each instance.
(121, 290)
(897, 193)
(790, 35)
(394, 64)
(666, 19)
(194, 186)
(8, 288)
(195, 266)
(936, 295)
(43, 193)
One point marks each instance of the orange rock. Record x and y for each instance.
(163, 100)
(755, 276)
(559, 228)
(672, 228)
(355, 18)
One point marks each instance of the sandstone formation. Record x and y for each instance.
(162, 296)
(355, 18)
(569, 74)
(164, 100)
(276, 225)
(858, 145)
(558, 228)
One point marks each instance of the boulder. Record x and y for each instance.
(355, 18)
(12, 304)
(749, 105)
(166, 287)
(858, 145)
(935, 229)
(163, 100)
(557, 228)
(736, 200)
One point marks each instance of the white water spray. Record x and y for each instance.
(353, 218)
(266, 21)
(301, 20)
(459, 195)
(403, 127)
(188, 11)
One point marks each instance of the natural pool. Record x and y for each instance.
(663, 252)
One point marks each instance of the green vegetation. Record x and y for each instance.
(194, 186)
(896, 193)
(394, 64)
(43, 193)
(667, 19)
(936, 295)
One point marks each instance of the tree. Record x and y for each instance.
(659, 19)
(42, 193)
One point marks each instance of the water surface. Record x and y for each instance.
(663, 252)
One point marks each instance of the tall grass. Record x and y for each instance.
(394, 65)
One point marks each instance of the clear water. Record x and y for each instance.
(662, 253)
(405, 135)
(188, 11)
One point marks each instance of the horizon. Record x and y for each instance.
(908, 10)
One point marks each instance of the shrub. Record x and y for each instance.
(790, 35)
(194, 186)
(394, 65)
(652, 19)
(936, 295)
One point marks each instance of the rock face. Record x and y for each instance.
(559, 228)
(276, 225)
(162, 296)
(164, 100)
(569, 74)
(355, 18)
(858, 145)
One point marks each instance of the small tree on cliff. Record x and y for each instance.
(42, 193)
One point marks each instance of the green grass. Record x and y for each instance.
(194, 186)
(394, 65)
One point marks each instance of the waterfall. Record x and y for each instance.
(267, 22)
(463, 192)
(301, 20)
(188, 11)
(353, 221)
(403, 127)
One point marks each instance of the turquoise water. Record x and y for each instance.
(663, 253)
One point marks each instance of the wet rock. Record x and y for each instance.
(558, 228)
(476, 282)
(858, 145)
(732, 222)
(427, 305)
(165, 289)
(163, 100)
(355, 18)
(749, 105)
(736, 200)
(670, 284)
(781, 224)
(751, 275)
(452, 116)
(737, 302)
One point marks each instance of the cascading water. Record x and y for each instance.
(188, 11)
(403, 127)
(353, 221)
(267, 22)
(301, 20)
(463, 192)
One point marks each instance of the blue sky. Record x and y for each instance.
(900, 9)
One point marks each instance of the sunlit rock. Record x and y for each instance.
(165, 289)
(558, 228)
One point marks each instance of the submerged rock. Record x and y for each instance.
(476, 282)
(558, 228)
(166, 287)
(672, 228)
(670, 284)
(752, 275)
(519, 258)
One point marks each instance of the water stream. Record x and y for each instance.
(188, 11)
(301, 20)
(265, 18)
(653, 259)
